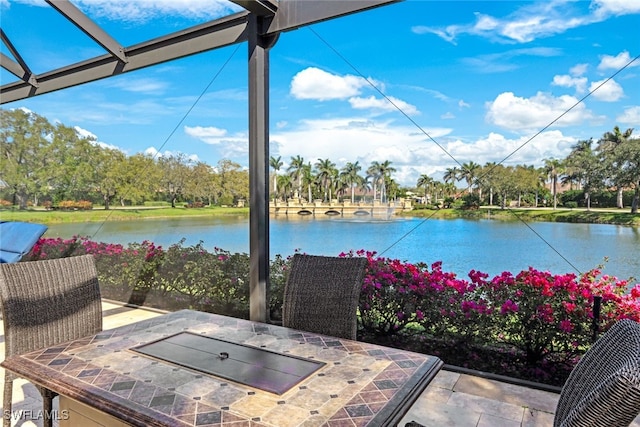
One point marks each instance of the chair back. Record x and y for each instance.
(604, 387)
(49, 302)
(321, 294)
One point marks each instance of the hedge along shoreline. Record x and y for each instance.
(532, 325)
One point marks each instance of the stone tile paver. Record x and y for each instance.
(451, 400)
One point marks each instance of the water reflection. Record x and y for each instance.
(462, 245)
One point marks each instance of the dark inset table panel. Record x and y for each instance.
(252, 366)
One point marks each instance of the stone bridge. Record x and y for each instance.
(338, 208)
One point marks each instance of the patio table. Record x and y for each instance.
(190, 368)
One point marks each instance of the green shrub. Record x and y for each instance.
(533, 324)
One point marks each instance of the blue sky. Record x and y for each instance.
(424, 84)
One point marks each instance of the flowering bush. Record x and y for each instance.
(532, 324)
(535, 320)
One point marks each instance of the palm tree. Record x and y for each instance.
(613, 159)
(554, 168)
(365, 185)
(297, 163)
(350, 175)
(285, 183)
(586, 167)
(380, 172)
(276, 164)
(308, 179)
(326, 175)
(372, 174)
(452, 175)
(427, 182)
(469, 173)
(542, 180)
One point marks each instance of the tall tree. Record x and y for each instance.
(276, 164)
(107, 166)
(585, 167)
(327, 173)
(613, 156)
(308, 179)
(175, 175)
(426, 182)
(380, 172)
(203, 184)
(138, 178)
(295, 168)
(630, 151)
(23, 141)
(554, 168)
(452, 175)
(351, 175)
(469, 173)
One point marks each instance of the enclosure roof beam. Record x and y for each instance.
(90, 28)
(211, 35)
(20, 68)
(259, 7)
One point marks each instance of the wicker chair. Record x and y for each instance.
(45, 303)
(603, 390)
(321, 295)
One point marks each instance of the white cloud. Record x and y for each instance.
(201, 132)
(360, 139)
(139, 85)
(504, 61)
(85, 133)
(574, 79)
(533, 21)
(527, 114)
(608, 62)
(608, 91)
(154, 153)
(578, 69)
(26, 110)
(579, 83)
(314, 83)
(93, 138)
(231, 146)
(391, 104)
(606, 8)
(630, 116)
(144, 11)
(522, 150)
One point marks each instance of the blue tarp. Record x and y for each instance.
(17, 239)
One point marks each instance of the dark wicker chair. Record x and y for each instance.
(45, 303)
(321, 294)
(603, 390)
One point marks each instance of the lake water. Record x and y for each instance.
(487, 245)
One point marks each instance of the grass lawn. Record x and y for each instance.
(593, 216)
(116, 214)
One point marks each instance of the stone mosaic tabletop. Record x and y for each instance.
(359, 384)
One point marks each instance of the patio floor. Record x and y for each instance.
(452, 399)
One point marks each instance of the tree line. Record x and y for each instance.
(46, 163)
(610, 164)
(42, 162)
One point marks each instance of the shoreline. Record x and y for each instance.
(593, 216)
(582, 216)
